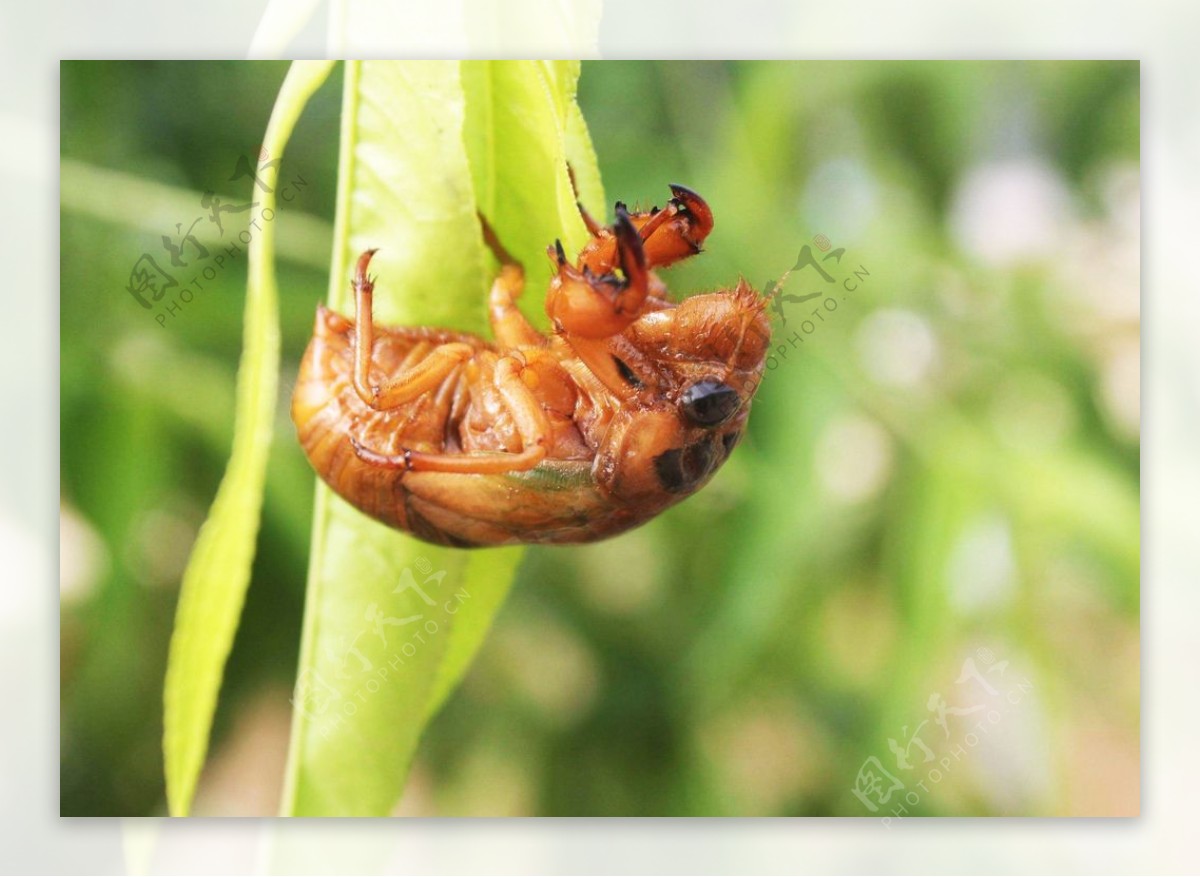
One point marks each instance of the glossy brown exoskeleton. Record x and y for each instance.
(629, 406)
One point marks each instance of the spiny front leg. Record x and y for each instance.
(675, 232)
(527, 414)
(422, 377)
(587, 305)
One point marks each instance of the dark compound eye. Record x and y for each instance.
(709, 402)
(681, 469)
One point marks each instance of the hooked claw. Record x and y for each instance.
(361, 279)
(697, 207)
(678, 230)
(588, 304)
(632, 257)
(630, 252)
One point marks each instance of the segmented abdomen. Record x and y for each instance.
(327, 411)
(558, 502)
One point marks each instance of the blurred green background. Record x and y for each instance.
(944, 469)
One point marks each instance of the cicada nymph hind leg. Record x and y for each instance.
(415, 381)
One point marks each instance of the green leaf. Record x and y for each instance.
(391, 623)
(518, 131)
(218, 571)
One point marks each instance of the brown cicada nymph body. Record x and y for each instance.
(629, 406)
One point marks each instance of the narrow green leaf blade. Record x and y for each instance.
(391, 623)
(518, 129)
(218, 571)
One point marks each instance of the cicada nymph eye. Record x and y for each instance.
(709, 402)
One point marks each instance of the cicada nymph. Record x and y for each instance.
(629, 405)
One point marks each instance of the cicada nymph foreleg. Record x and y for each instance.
(588, 300)
(584, 304)
(668, 234)
(678, 230)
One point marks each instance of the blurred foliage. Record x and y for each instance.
(946, 467)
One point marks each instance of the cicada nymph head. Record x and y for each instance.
(685, 373)
(701, 362)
